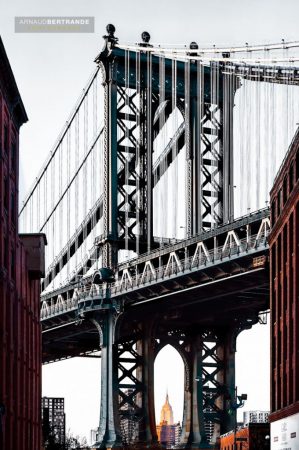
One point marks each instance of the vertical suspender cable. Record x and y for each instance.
(126, 154)
(188, 149)
(140, 142)
(258, 166)
(84, 249)
(200, 111)
(68, 143)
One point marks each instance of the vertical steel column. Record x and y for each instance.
(109, 427)
(145, 374)
(212, 355)
(148, 135)
(108, 63)
(193, 142)
(211, 152)
(229, 89)
(226, 378)
(127, 203)
(197, 437)
(187, 414)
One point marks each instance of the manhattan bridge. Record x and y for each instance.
(154, 201)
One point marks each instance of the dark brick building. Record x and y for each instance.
(21, 266)
(284, 274)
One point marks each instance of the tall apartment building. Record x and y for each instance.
(284, 300)
(21, 266)
(53, 419)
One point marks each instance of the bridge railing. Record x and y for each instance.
(169, 243)
(200, 261)
(174, 266)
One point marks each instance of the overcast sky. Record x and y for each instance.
(52, 69)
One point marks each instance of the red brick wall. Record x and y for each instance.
(20, 333)
(20, 359)
(284, 286)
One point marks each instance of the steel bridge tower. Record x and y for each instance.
(136, 109)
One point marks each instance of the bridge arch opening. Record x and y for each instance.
(169, 382)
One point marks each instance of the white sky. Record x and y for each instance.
(51, 70)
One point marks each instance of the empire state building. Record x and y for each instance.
(168, 432)
(166, 412)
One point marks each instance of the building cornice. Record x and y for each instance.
(10, 89)
(285, 166)
(284, 215)
(284, 412)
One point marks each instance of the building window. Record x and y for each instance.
(279, 202)
(291, 177)
(5, 193)
(285, 190)
(13, 158)
(273, 211)
(12, 265)
(6, 140)
(5, 252)
(12, 206)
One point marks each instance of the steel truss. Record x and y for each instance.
(127, 404)
(136, 109)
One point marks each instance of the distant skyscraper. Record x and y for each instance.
(255, 417)
(168, 432)
(129, 426)
(53, 418)
(166, 412)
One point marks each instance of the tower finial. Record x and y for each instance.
(145, 36)
(110, 28)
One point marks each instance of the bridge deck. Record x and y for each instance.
(215, 278)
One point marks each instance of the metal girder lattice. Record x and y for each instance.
(128, 177)
(129, 388)
(211, 166)
(215, 381)
(212, 389)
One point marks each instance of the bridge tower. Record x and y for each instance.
(141, 92)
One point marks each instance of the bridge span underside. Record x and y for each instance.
(220, 297)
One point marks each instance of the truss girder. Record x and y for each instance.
(211, 167)
(198, 255)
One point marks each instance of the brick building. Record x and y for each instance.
(284, 298)
(21, 266)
